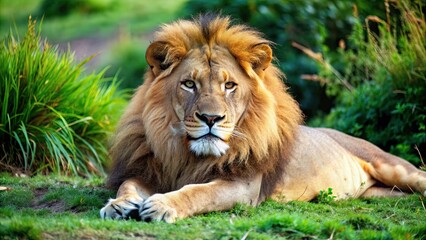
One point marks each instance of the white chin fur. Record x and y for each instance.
(208, 146)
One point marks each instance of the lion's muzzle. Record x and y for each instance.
(208, 134)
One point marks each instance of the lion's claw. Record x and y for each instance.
(156, 208)
(122, 208)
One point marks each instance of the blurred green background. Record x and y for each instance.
(385, 104)
(118, 31)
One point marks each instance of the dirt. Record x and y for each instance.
(53, 206)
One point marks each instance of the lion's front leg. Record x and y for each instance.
(194, 199)
(130, 197)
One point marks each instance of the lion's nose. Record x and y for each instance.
(210, 120)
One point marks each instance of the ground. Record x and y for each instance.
(57, 207)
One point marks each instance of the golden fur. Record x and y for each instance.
(213, 125)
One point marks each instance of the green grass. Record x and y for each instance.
(54, 207)
(53, 118)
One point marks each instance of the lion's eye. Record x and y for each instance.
(189, 84)
(230, 85)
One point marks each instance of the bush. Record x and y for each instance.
(309, 22)
(386, 73)
(53, 119)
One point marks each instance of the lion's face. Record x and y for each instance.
(213, 85)
(209, 91)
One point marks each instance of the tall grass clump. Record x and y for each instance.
(52, 117)
(380, 82)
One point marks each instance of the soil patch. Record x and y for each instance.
(53, 206)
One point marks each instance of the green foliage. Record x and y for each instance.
(52, 118)
(387, 74)
(326, 196)
(53, 8)
(311, 23)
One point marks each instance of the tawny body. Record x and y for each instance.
(351, 173)
(213, 125)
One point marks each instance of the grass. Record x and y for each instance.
(53, 118)
(57, 207)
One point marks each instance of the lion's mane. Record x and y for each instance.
(149, 146)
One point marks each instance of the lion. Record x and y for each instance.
(213, 125)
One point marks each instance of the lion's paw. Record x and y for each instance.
(122, 208)
(157, 208)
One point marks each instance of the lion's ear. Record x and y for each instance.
(160, 56)
(156, 57)
(261, 57)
